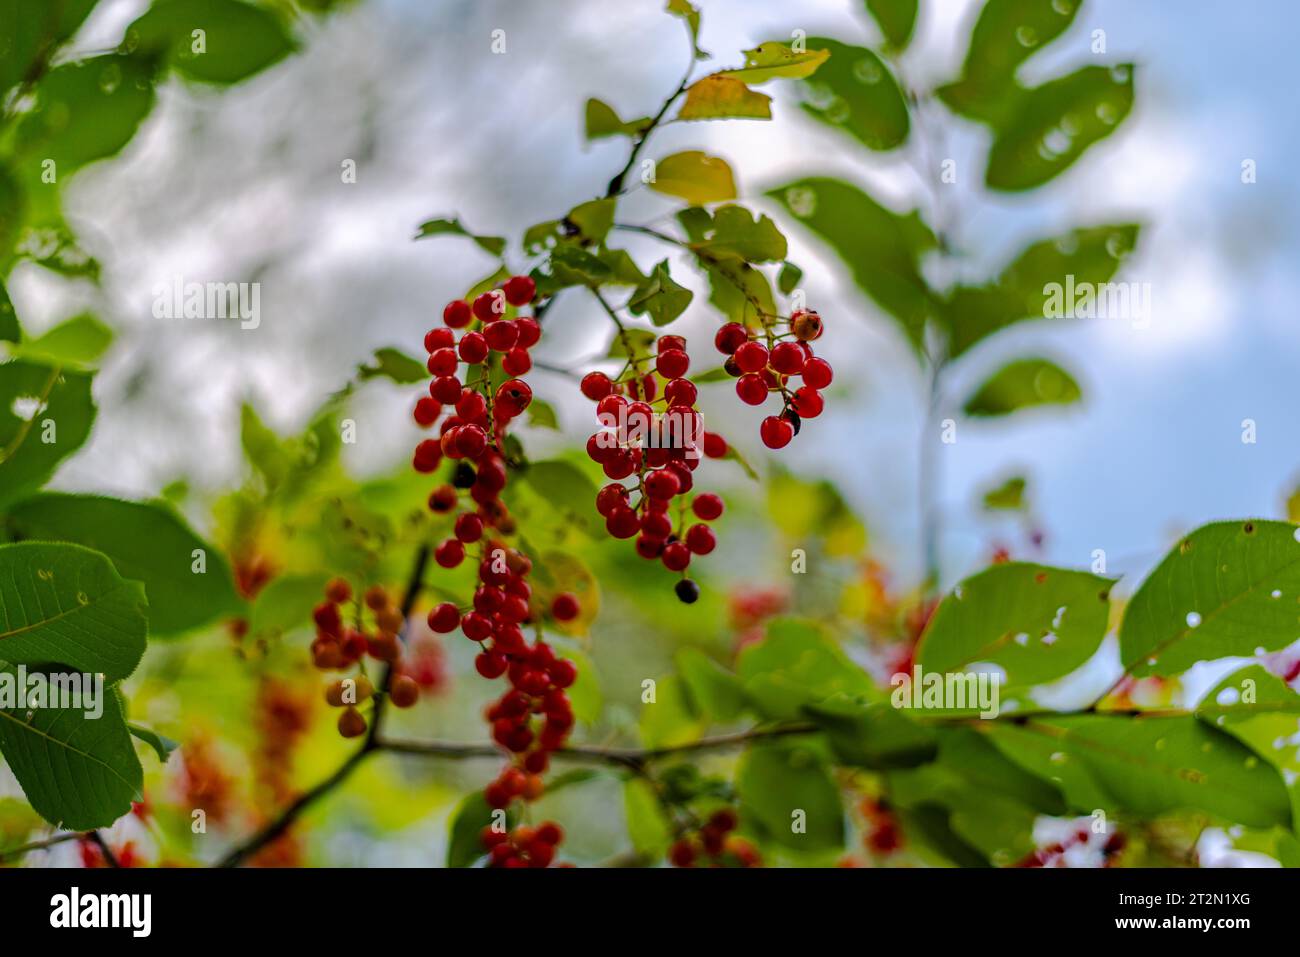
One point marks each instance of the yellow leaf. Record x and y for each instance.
(695, 177)
(773, 61)
(719, 96)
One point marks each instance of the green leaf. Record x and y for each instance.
(1009, 496)
(76, 771)
(602, 121)
(1036, 622)
(647, 827)
(670, 719)
(1228, 588)
(10, 331)
(495, 245)
(162, 746)
(881, 248)
(788, 278)
(856, 92)
(1007, 33)
(695, 177)
(584, 694)
(1054, 124)
(45, 415)
(775, 782)
(30, 30)
(896, 19)
(869, 735)
(1021, 384)
(90, 109)
(285, 604)
(714, 690)
(77, 343)
(660, 297)
(592, 219)
(776, 61)
(238, 39)
(723, 97)
(67, 604)
(472, 814)
(566, 487)
(736, 232)
(795, 665)
(1153, 765)
(147, 542)
(691, 14)
(541, 415)
(396, 365)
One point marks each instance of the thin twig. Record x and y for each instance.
(16, 852)
(109, 857)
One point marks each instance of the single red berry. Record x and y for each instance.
(807, 402)
(427, 410)
(662, 484)
(707, 506)
(595, 386)
(682, 853)
(490, 305)
(776, 432)
(788, 358)
(449, 554)
(442, 499)
(618, 464)
(404, 692)
(563, 672)
(446, 389)
(672, 364)
(516, 362)
(513, 396)
(501, 336)
(681, 392)
(656, 526)
(457, 314)
(477, 626)
(666, 343)
(730, 337)
(715, 446)
(622, 523)
(610, 409)
(442, 362)
(427, 456)
(700, 539)
(444, 618)
(565, 607)
(469, 527)
(473, 347)
(471, 405)
(751, 357)
(438, 338)
(676, 556)
(611, 497)
(817, 373)
(530, 332)
(752, 389)
(471, 441)
(806, 325)
(519, 290)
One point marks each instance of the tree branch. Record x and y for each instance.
(16, 852)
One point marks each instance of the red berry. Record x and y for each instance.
(676, 556)
(611, 497)
(427, 410)
(788, 358)
(517, 361)
(672, 364)
(457, 314)
(707, 506)
(751, 357)
(438, 338)
(471, 405)
(681, 392)
(563, 672)
(477, 626)
(595, 386)
(469, 527)
(565, 607)
(442, 499)
(657, 526)
(806, 325)
(449, 554)
(715, 446)
(529, 332)
(471, 441)
(752, 389)
(490, 305)
(513, 396)
(666, 343)
(446, 389)
(682, 854)
(700, 539)
(442, 362)
(519, 290)
(776, 432)
(622, 523)
(501, 336)
(817, 373)
(444, 618)
(730, 337)
(427, 456)
(662, 484)
(473, 347)
(807, 402)
(610, 409)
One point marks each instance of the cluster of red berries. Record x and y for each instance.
(338, 647)
(715, 842)
(659, 451)
(473, 435)
(762, 367)
(1053, 855)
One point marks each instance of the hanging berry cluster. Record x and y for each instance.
(715, 844)
(533, 717)
(765, 360)
(340, 647)
(660, 451)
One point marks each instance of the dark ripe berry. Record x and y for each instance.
(427, 456)
(715, 446)
(596, 385)
(597, 449)
(464, 476)
(457, 313)
(724, 820)
(707, 506)
(519, 290)
(807, 402)
(817, 373)
(656, 525)
(776, 432)
(687, 591)
(442, 362)
(610, 408)
(622, 523)
(683, 476)
(516, 361)
(662, 484)
(338, 590)
(427, 410)
(806, 325)
(490, 305)
(490, 664)
(514, 395)
(469, 527)
(449, 554)
(730, 337)
(672, 364)
(682, 853)
(731, 369)
(477, 626)
(649, 547)
(473, 347)
(491, 474)
(795, 420)
(326, 617)
(471, 441)
(752, 389)
(751, 357)
(438, 338)
(446, 389)
(565, 607)
(667, 343)
(501, 336)
(676, 556)
(444, 618)
(488, 599)
(611, 497)
(351, 723)
(700, 539)
(529, 332)
(787, 358)
(404, 691)
(618, 464)
(549, 833)
(471, 405)
(497, 797)
(681, 392)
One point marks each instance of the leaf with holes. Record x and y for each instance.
(1228, 588)
(776, 61)
(1035, 622)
